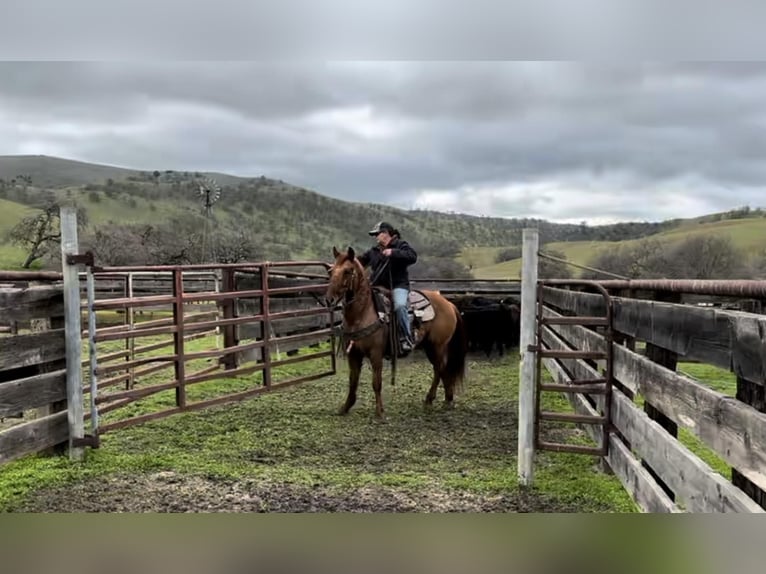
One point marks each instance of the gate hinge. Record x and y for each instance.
(80, 258)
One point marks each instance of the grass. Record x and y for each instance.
(11, 257)
(719, 380)
(292, 437)
(748, 235)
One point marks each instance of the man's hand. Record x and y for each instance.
(387, 252)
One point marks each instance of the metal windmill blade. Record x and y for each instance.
(210, 192)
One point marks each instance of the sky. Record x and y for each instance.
(563, 141)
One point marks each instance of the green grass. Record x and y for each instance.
(746, 234)
(11, 257)
(719, 380)
(293, 437)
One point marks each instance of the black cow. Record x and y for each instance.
(490, 324)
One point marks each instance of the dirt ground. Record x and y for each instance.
(171, 492)
(288, 452)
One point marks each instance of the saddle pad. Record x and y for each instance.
(420, 305)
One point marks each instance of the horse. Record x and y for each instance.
(438, 329)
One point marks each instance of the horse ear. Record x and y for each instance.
(335, 251)
(351, 254)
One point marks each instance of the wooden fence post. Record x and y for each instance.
(526, 434)
(753, 394)
(73, 331)
(669, 360)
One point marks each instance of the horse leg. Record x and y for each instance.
(439, 362)
(355, 360)
(432, 391)
(434, 359)
(377, 383)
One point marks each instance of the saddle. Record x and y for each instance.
(419, 311)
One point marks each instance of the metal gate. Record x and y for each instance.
(226, 331)
(601, 385)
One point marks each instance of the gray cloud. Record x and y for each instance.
(556, 140)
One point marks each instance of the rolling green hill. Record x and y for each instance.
(746, 234)
(290, 222)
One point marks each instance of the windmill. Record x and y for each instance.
(209, 193)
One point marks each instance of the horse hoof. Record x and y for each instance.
(341, 412)
(449, 405)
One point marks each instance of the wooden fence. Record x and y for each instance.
(652, 403)
(33, 387)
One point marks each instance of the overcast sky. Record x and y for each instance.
(561, 141)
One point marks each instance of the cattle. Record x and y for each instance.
(490, 323)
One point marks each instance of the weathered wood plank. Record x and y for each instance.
(33, 436)
(734, 430)
(34, 302)
(754, 395)
(699, 486)
(669, 360)
(691, 479)
(527, 383)
(32, 349)
(647, 494)
(32, 392)
(73, 330)
(731, 340)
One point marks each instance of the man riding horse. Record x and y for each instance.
(388, 261)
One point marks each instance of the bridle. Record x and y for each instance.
(350, 287)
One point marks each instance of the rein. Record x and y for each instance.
(364, 331)
(350, 337)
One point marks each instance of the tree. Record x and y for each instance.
(549, 269)
(706, 257)
(508, 254)
(39, 234)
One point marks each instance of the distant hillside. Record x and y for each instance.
(746, 232)
(283, 221)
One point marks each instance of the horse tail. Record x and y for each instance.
(457, 347)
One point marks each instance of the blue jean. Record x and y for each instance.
(400, 296)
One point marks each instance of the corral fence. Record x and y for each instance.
(245, 316)
(33, 374)
(90, 350)
(657, 428)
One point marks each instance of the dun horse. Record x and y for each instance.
(438, 330)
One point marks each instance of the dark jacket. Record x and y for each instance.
(402, 256)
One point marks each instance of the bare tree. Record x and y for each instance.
(707, 257)
(645, 259)
(39, 234)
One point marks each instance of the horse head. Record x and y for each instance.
(344, 276)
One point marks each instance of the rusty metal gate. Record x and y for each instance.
(227, 331)
(592, 384)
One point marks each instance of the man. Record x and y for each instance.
(389, 260)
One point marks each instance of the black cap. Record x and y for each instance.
(381, 226)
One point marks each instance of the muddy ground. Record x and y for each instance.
(288, 452)
(172, 492)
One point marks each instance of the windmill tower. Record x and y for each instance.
(209, 193)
